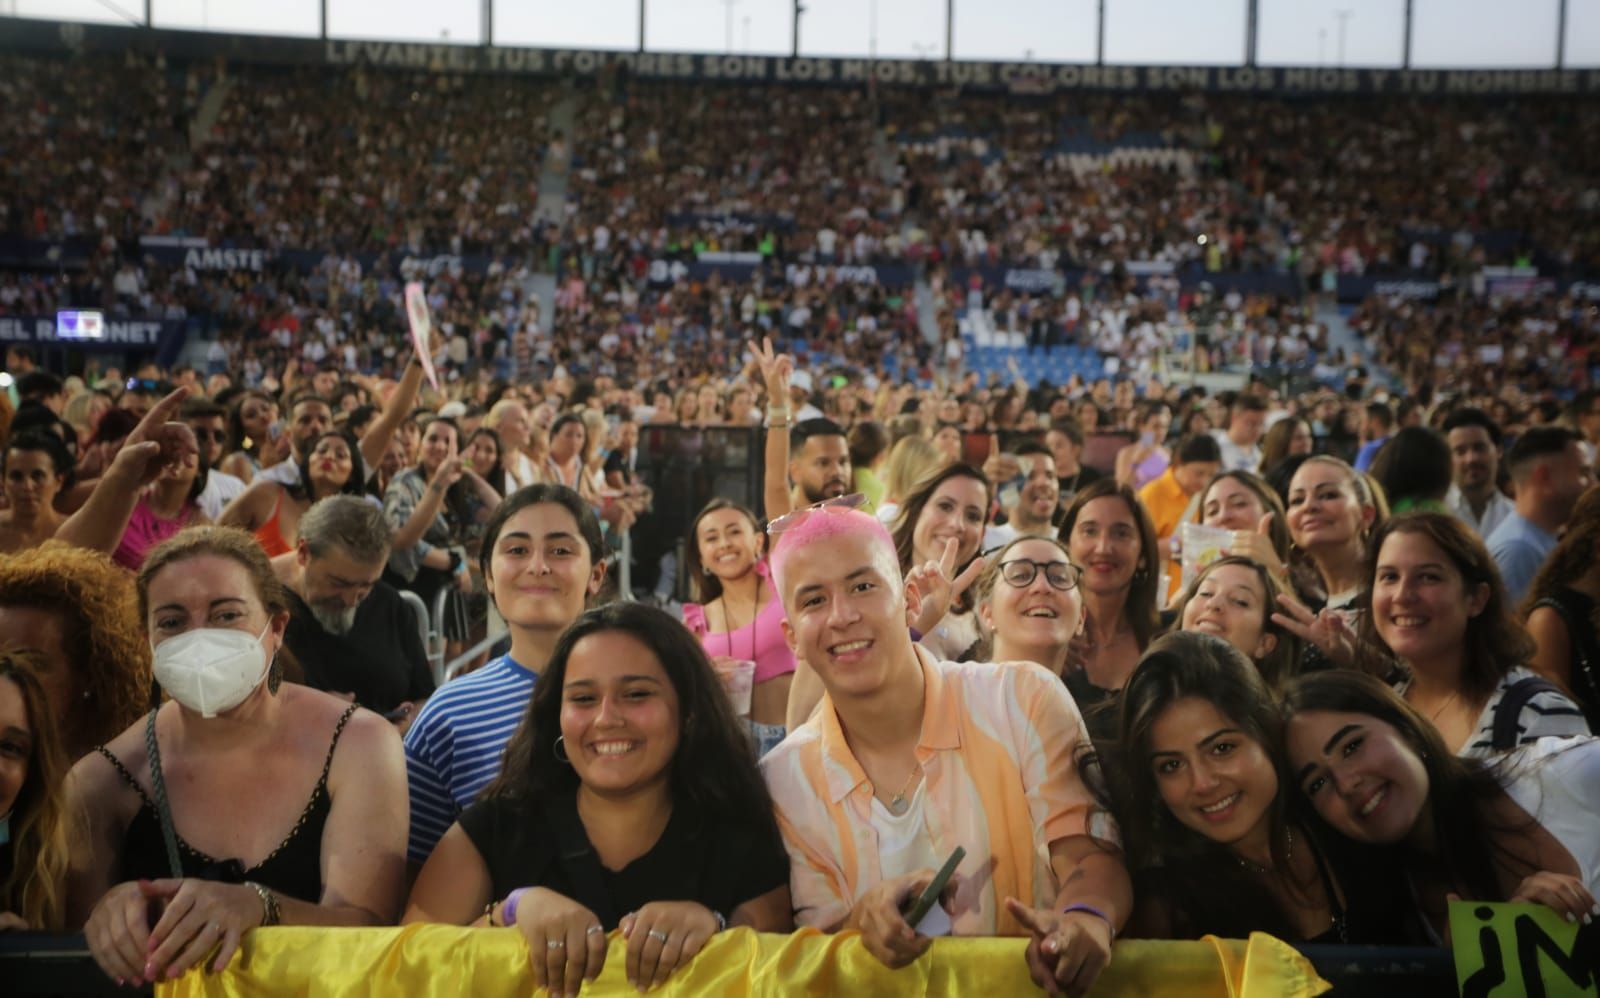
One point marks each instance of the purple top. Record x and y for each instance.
(760, 640)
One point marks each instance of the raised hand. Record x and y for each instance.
(932, 586)
(776, 370)
(158, 443)
(1329, 630)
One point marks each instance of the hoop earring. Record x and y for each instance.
(559, 752)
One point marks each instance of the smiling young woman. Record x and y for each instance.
(1203, 805)
(739, 617)
(630, 799)
(1376, 771)
(951, 505)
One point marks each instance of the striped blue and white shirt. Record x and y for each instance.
(453, 748)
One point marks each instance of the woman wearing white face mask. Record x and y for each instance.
(242, 802)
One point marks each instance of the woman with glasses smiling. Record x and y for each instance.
(1029, 604)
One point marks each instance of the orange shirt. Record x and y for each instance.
(1165, 501)
(997, 754)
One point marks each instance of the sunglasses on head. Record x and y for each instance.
(838, 504)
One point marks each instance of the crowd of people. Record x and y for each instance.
(1225, 683)
(1164, 662)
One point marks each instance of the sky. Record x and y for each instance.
(1363, 33)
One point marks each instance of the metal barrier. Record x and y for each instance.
(419, 612)
(38, 964)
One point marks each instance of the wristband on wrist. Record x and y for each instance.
(269, 903)
(778, 413)
(722, 921)
(1091, 910)
(508, 910)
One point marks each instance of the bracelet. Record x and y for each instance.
(269, 903)
(916, 635)
(508, 911)
(722, 921)
(775, 413)
(1091, 910)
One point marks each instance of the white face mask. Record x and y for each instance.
(211, 669)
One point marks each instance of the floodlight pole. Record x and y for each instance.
(1561, 35)
(794, 37)
(1250, 33)
(1100, 37)
(1406, 55)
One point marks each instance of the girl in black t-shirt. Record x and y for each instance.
(629, 799)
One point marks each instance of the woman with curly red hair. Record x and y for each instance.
(77, 610)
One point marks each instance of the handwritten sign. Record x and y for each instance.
(1523, 951)
(421, 330)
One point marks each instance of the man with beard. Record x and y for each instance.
(352, 633)
(1474, 494)
(818, 467)
(310, 416)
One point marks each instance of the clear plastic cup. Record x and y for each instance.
(738, 677)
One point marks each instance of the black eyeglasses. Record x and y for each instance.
(1020, 573)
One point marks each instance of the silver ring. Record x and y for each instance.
(555, 944)
(591, 930)
(657, 934)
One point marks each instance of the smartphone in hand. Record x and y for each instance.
(930, 897)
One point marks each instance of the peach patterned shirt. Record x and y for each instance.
(997, 753)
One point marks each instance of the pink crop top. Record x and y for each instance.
(761, 640)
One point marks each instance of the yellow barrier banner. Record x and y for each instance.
(424, 961)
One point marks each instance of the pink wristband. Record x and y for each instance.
(508, 911)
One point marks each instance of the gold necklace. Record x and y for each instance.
(898, 805)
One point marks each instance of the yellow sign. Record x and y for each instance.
(1522, 951)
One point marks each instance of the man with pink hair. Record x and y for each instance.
(907, 758)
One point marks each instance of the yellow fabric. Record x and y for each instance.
(421, 961)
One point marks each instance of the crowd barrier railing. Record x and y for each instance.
(446, 960)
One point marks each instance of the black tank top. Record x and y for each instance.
(293, 869)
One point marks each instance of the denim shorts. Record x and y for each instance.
(765, 736)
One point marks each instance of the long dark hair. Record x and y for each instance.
(1495, 641)
(355, 485)
(905, 525)
(236, 431)
(1144, 617)
(1204, 882)
(714, 768)
(35, 886)
(705, 585)
(1461, 792)
(497, 475)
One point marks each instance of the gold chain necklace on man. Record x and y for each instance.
(898, 805)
